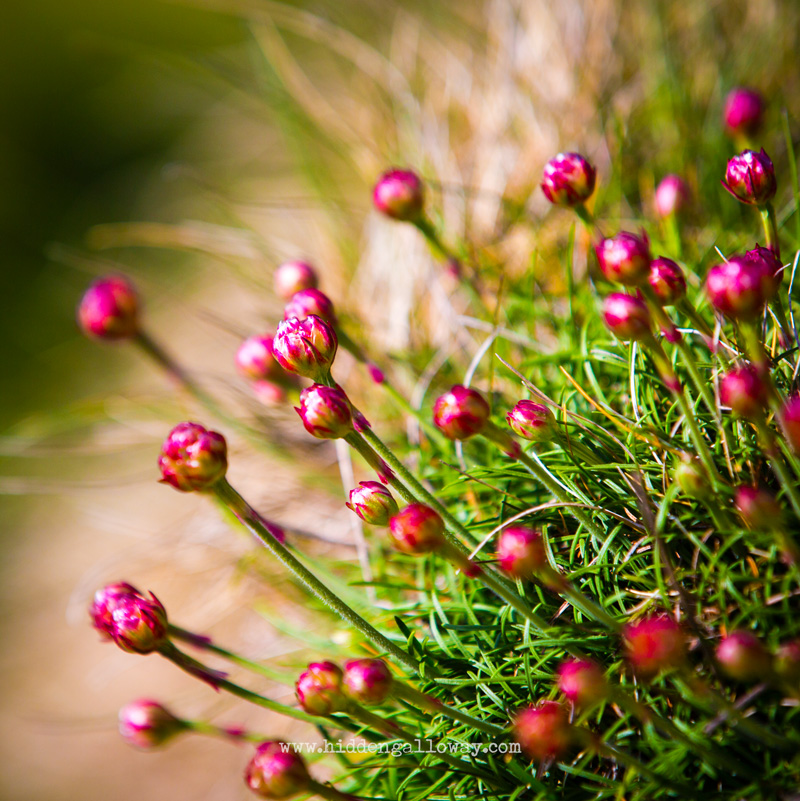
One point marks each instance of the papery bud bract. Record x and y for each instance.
(276, 771)
(460, 413)
(147, 724)
(771, 267)
(672, 195)
(135, 622)
(750, 177)
(627, 317)
(307, 302)
(789, 417)
(319, 689)
(255, 359)
(743, 657)
(109, 309)
(520, 551)
(373, 503)
(399, 194)
(653, 645)
(193, 458)
(543, 731)
(306, 347)
(582, 681)
(367, 681)
(568, 179)
(739, 288)
(532, 421)
(745, 391)
(758, 508)
(417, 529)
(744, 111)
(624, 258)
(667, 281)
(691, 479)
(787, 663)
(293, 276)
(325, 412)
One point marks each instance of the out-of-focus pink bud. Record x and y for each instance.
(739, 288)
(744, 111)
(306, 347)
(255, 359)
(672, 195)
(750, 177)
(582, 681)
(325, 412)
(294, 276)
(135, 622)
(146, 724)
(568, 179)
(460, 413)
(771, 267)
(417, 529)
(520, 551)
(789, 417)
(399, 194)
(109, 309)
(276, 771)
(307, 302)
(268, 392)
(193, 458)
(624, 258)
(544, 731)
(373, 503)
(653, 645)
(745, 391)
(627, 317)
(667, 281)
(532, 421)
(367, 681)
(758, 508)
(319, 689)
(743, 657)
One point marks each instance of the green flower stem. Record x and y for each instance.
(773, 453)
(209, 729)
(251, 520)
(330, 793)
(673, 231)
(586, 217)
(754, 349)
(770, 222)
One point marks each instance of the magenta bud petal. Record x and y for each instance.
(789, 417)
(294, 276)
(417, 529)
(306, 347)
(672, 196)
(568, 179)
(532, 421)
(627, 317)
(667, 281)
(276, 771)
(750, 177)
(739, 288)
(758, 508)
(742, 656)
(367, 681)
(319, 689)
(255, 359)
(146, 724)
(544, 731)
(399, 194)
(624, 258)
(520, 551)
(193, 458)
(653, 645)
(135, 622)
(307, 302)
(325, 412)
(109, 309)
(745, 391)
(582, 682)
(771, 268)
(461, 412)
(744, 111)
(373, 503)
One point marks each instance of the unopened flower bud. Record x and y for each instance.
(269, 393)
(276, 771)
(532, 421)
(582, 681)
(373, 503)
(307, 302)
(789, 417)
(627, 317)
(147, 724)
(193, 458)
(461, 412)
(544, 731)
(367, 681)
(568, 179)
(325, 412)
(399, 194)
(739, 288)
(771, 267)
(744, 111)
(293, 276)
(520, 551)
(417, 529)
(750, 177)
(319, 689)
(743, 657)
(787, 663)
(109, 309)
(653, 645)
(691, 479)
(672, 195)
(306, 347)
(667, 281)
(624, 258)
(256, 360)
(758, 508)
(745, 391)
(135, 622)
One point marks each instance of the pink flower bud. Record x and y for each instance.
(568, 179)
(417, 529)
(672, 195)
(109, 309)
(532, 421)
(460, 413)
(691, 479)
(325, 412)
(268, 392)
(543, 731)
(758, 508)
(742, 656)
(276, 771)
(135, 622)
(627, 317)
(624, 258)
(787, 663)
(744, 111)
(373, 503)
(307, 302)
(520, 551)
(193, 458)
(294, 276)
(319, 689)
(255, 359)
(582, 681)
(306, 347)
(653, 645)
(739, 288)
(750, 177)
(789, 417)
(745, 391)
(399, 194)
(147, 724)
(367, 681)
(667, 281)
(771, 267)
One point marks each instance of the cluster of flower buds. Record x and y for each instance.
(672, 196)
(624, 258)
(740, 287)
(745, 391)
(582, 682)
(325, 411)
(399, 194)
(367, 681)
(667, 281)
(373, 503)
(109, 309)
(306, 347)
(319, 689)
(743, 112)
(193, 459)
(461, 413)
(147, 724)
(568, 179)
(654, 645)
(310, 301)
(750, 178)
(627, 317)
(532, 421)
(294, 276)
(276, 771)
(544, 731)
(135, 622)
(417, 529)
(743, 657)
